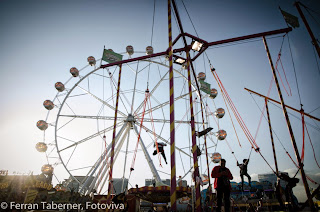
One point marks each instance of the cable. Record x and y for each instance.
(154, 11)
(315, 56)
(294, 68)
(314, 109)
(189, 18)
(307, 9)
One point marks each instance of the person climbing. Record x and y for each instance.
(161, 150)
(244, 171)
(222, 184)
(203, 132)
(291, 182)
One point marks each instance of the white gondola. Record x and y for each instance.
(41, 147)
(48, 104)
(221, 134)
(91, 60)
(47, 169)
(219, 113)
(213, 93)
(74, 71)
(42, 125)
(216, 157)
(201, 76)
(129, 50)
(149, 50)
(59, 86)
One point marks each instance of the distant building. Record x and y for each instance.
(150, 182)
(272, 178)
(72, 184)
(117, 185)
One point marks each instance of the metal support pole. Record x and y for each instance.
(314, 40)
(299, 111)
(173, 189)
(113, 137)
(271, 136)
(194, 142)
(293, 141)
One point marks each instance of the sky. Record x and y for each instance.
(41, 40)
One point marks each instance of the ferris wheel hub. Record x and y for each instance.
(131, 119)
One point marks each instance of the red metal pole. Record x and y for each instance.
(173, 189)
(215, 43)
(194, 141)
(271, 135)
(314, 40)
(113, 138)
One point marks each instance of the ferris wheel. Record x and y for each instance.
(80, 120)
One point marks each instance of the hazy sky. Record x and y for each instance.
(41, 40)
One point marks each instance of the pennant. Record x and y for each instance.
(110, 56)
(205, 87)
(290, 19)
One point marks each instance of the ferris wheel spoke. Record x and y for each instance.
(94, 117)
(134, 88)
(100, 100)
(146, 154)
(91, 136)
(125, 161)
(134, 71)
(86, 167)
(106, 165)
(152, 91)
(164, 104)
(101, 160)
(65, 124)
(71, 155)
(67, 105)
(121, 94)
(160, 137)
(66, 139)
(168, 121)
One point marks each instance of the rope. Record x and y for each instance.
(135, 151)
(310, 13)
(232, 152)
(294, 69)
(190, 18)
(303, 135)
(250, 152)
(285, 76)
(111, 86)
(243, 126)
(264, 108)
(153, 129)
(234, 110)
(314, 155)
(154, 11)
(270, 86)
(315, 56)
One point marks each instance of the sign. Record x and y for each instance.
(205, 87)
(30, 196)
(110, 56)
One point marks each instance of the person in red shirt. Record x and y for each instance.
(222, 185)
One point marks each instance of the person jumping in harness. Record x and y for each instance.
(244, 171)
(161, 150)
